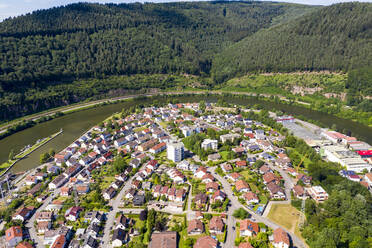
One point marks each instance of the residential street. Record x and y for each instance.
(235, 204)
(30, 223)
(110, 217)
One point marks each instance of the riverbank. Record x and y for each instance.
(10, 163)
(52, 114)
(76, 123)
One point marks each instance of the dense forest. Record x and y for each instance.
(94, 40)
(344, 220)
(64, 44)
(337, 38)
(85, 51)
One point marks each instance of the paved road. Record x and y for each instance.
(39, 243)
(297, 242)
(115, 203)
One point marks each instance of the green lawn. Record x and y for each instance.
(107, 180)
(253, 187)
(246, 175)
(224, 155)
(287, 216)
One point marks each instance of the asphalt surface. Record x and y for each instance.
(235, 204)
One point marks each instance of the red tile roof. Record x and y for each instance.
(13, 232)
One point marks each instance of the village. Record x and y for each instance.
(181, 175)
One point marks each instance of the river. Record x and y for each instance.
(77, 123)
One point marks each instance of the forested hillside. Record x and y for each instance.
(47, 48)
(338, 37)
(94, 40)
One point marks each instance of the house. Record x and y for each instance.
(60, 242)
(57, 182)
(24, 245)
(305, 179)
(158, 148)
(13, 235)
(206, 242)
(72, 214)
(275, 191)
(317, 193)
(195, 227)
(239, 150)
(43, 226)
(65, 191)
(119, 237)
(93, 230)
(208, 178)
(136, 184)
(32, 192)
(120, 142)
(138, 200)
(264, 169)
(214, 157)
(209, 144)
(368, 178)
(251, 198)
(94, 217)
(180, 195)
(121, 222)
(299, 192)
(226, 167)
(44, 216)
(23, 213)
(270, 177)
(281, 239)
(183, 165)
(56, 205)
(109, 193)
(200, 172)
(241, 164)
(211, 186)
(234, 176)
(166, 239)
(135, 163)
(245, 245)
(117, 184)
(248, 228)
(82, 189)
(218, 196)
(201, 199)
(90, 242)
(30, 180)
(216, 225)
(242, 186)
(51, 236)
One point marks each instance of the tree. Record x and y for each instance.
(51, 152)
(202, 106)
(241, 214)
(44, 157)
(143, 215)
(208, 216)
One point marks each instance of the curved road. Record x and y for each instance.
(235, 204)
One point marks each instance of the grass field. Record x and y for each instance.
(287, 216)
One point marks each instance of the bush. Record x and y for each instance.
(241, 214)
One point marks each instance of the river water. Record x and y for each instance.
(75, 124)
